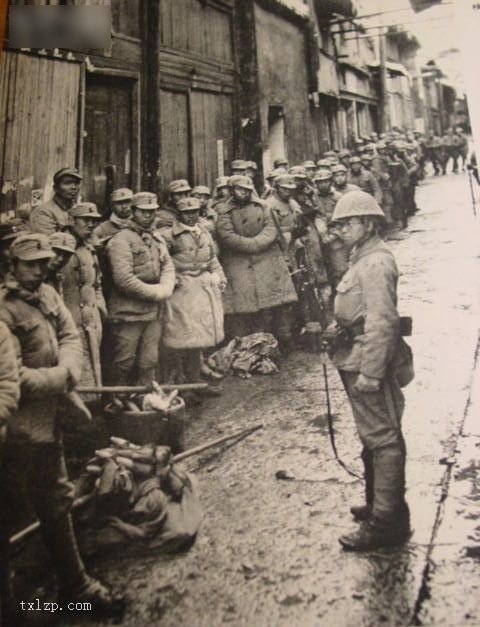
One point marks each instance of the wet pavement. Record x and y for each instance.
(267, 553)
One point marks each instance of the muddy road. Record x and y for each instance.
(267, 552)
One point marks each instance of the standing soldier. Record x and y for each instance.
(433, 151)
(193, 318)
(121, 204)
(333, 246)
(366, 310)
(304, 194)
(63, 245)
(9, 231)
(82, 291)
(33, 461)
(53, 215)
(259, 286)
(380, 170)
(340, 180)
(221, 191)
(167, 215)
(238, 167)
(364, 179)
(344, 157)
(203, 195)
(143, 277)
(286, 213)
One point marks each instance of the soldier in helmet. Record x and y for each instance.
(167, 215)
(33, 464)
(143, 277)
(259, 287)
(280, 163)
(366, 313)
(305, 194)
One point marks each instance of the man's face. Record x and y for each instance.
(345, 161)
(301, 183)
(83, 227)
(352, 231)
(190, 218)
(238, 172)
(241, 195)
(324, 186)
(223, 192)
(68, 187)
(284, 193)
(60, 260)
(143, 217)
(366, 163)
(176, 196)
(203, 198)
(356, 167)
(122, 209)
(250, 172)
(30, 274)
(340, 179)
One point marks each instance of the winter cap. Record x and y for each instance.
(122, 194)
(178, 185)
(31, 247)
(145, 200)
(85, 210)
(188, 204)
(57, 177)
(201, 189)
(237, 180)
(62, 241)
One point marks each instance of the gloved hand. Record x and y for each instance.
(367, 384)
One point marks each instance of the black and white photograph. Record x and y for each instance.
(239, 313)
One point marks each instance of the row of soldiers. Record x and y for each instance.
(146, 293)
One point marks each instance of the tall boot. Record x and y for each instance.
(362, 512)
(389, 524)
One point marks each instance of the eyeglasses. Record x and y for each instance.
(349, 223)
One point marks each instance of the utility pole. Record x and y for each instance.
(384, 105)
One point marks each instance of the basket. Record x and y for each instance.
(151, 427)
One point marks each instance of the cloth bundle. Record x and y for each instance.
(139, 498)
(252, 354)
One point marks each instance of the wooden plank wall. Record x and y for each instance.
(174, 124)
(201, 29)
(38, 124)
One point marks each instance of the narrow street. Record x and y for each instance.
(267, 553)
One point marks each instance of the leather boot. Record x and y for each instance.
(374, 534)
(389, 489)
(362, 512)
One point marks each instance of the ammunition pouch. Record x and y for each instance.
(337, 336)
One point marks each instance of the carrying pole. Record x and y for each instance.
(472, 192)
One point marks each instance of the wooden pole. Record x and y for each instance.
(83, 500)
(138, 389)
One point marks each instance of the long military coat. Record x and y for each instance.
(194, 313)
(82, 293)
(253, 262)
(48, 344)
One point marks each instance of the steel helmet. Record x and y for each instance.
(356, 204)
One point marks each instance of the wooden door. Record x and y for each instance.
(174, 136)
(108, 149)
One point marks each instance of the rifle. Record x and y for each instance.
(306, 286)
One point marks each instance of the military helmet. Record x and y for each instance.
(221, 181)
(188, 204)
(356, 204)
(339, 168)
(324, 163)
(323, 175)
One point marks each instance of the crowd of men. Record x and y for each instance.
(147, 292)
